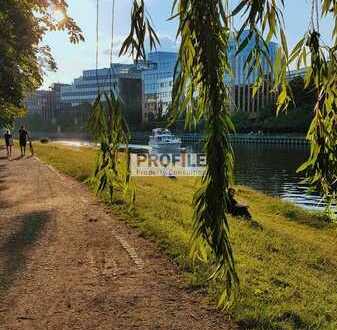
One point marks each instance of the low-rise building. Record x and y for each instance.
(36, 102)
(123, 79)
(46, 103)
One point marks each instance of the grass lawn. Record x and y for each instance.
(287, 268)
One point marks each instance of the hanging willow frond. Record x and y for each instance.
(321, 167)
(108, 127)
(264, 21)
(200, 93)
(141, 28)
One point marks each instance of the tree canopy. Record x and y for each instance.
(23, 57)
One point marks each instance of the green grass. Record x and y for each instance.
(287, 268)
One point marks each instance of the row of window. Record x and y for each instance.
(166, 84)
(94, 85)
(79, 93)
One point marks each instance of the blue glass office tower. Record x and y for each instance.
(157, 82)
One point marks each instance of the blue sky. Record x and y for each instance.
(73, 59)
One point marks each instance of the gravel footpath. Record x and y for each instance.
(67, 263)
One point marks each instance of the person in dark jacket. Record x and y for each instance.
(23, 138)
(9, 143)
(235, 208)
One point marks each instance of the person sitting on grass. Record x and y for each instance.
(23, 137)
(9, 143)
(235, 208)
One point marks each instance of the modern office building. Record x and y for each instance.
(55, 105)
(242, 84)
(157, 81)
(123, 79)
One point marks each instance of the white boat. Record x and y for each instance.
(163, 141)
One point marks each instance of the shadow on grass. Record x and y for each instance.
(13, 250)
(312, 219)
(287, 320)
(292, 213)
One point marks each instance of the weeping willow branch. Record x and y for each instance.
(108, 127)
(141, 28)
(200, 93)
(321, 167)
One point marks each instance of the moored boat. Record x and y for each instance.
(163, 140)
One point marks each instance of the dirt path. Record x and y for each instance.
(67, 263)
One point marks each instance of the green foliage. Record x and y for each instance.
(9, 114)
(310, 51)
(108, 127)
(140, 29)
(22, 55)
(321, 167)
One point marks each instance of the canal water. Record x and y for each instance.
(270, 168)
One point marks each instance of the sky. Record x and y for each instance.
(73, 59)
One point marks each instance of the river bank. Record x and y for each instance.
(287, 267)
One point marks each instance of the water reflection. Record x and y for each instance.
(272, 169)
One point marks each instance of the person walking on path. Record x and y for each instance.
(23, 137)
(9, 143)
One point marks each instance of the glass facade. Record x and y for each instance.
(241, 84)
(239, 76)
(157, 82)
(85, 89)
(123, 79)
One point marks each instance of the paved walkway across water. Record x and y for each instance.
(67, 263)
